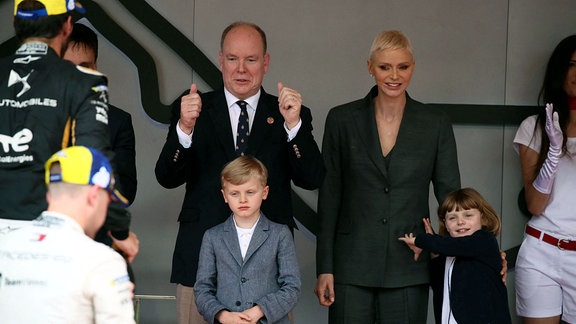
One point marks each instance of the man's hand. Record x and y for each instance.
(129, 246)
(325, 289)
(290, 104)
(190, 108)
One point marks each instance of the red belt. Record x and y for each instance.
(559, 243)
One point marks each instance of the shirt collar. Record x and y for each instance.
(252, 101)
(55, 219)
(241, 230)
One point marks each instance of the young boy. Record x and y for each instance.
(248, 271)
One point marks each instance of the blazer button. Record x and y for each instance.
(243, 280)
(386, 190)
(384, 221)
(238, 303)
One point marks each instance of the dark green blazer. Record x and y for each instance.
(364, 206)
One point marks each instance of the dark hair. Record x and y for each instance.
(553, 91)
(84, 36)
(468, 198)
(247, 24)
(43, 27)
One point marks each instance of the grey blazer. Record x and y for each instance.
(367, 201)
(268, 276)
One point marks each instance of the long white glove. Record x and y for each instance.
(547, 174)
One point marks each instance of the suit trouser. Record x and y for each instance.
(186, 306)
(369, 305)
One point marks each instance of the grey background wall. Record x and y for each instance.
(489, 52)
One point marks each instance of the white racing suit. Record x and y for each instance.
(51, 272)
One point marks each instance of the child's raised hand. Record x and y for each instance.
(427, 225)
(409, 239)
(429, 230)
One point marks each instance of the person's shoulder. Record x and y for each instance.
(211, 95)
(88, 73)
(483, 232)
(269, 99)
(213, 99)
(273, 226)
(11, 237)
(356, 104)
(80, 78)
(7, 60)
(529, 122)
(424, 108)
(98, 252)
(121, 113)
(345, 109)
(485, 235)
(79, 246)
(351, 104)
(218, 228)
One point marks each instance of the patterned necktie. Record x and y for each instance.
(243, 131)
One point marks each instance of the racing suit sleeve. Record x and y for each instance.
(89, 127)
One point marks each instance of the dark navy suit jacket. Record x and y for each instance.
(212, 147)
(477, 293)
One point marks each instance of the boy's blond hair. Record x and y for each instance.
(242, 169)
(468, 198)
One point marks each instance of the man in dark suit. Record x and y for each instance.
(204, 136)
(82, 50)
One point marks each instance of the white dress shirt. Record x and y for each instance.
(245, 236)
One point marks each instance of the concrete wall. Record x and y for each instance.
(489, 52)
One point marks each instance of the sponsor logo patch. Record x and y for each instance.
(26, 59)
(15, 78)
(33, 48)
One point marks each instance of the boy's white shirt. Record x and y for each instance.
(245, 236)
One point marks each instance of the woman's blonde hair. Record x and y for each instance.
(390, 40)
(468, 198)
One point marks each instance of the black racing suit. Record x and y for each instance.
(47, 104)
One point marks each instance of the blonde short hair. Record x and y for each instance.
(390, 40)
(242, 169)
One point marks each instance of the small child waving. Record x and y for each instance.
(465, 277)
(248, 271)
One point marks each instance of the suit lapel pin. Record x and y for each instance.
(270, 120)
